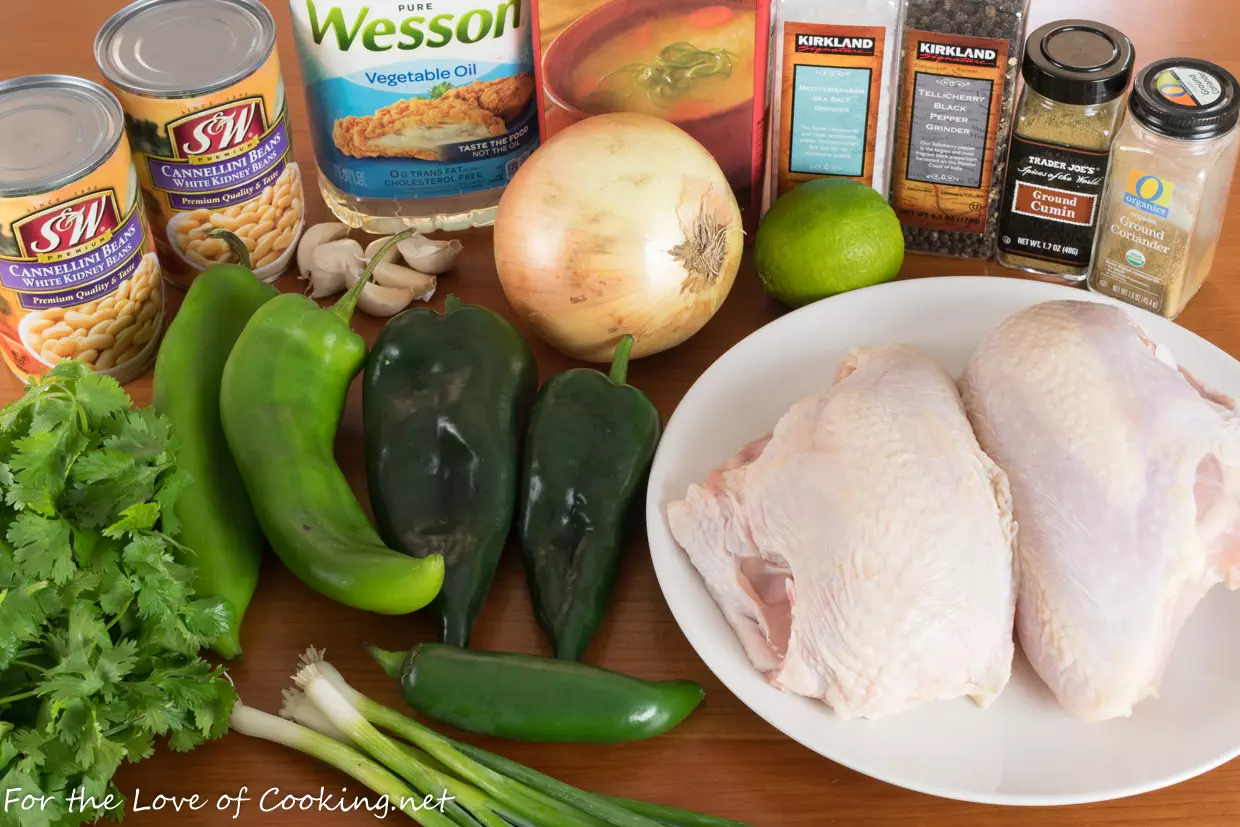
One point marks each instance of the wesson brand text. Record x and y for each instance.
(379, 34)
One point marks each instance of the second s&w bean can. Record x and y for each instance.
(205, 109)
(79, 278)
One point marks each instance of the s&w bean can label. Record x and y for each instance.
(205, 109)
(79, 277)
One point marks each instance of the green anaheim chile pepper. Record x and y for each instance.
(281, 398)
(589, 446)
(528, 698)
(217, 522)
(442, 398)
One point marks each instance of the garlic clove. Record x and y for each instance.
(377, 300)
(333, 265)
(311, 239)
(383, 301)
(325, 283)
(428, 255)
(394, 275)
(373, 248)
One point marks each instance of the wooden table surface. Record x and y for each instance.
(724, 760)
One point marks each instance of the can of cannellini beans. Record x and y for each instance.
(205, 109)
(79, 277)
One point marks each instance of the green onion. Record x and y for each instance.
(331, 693)
(596, 805)
(258, 724)
(297, 707)
(348, 720)
(671, 816)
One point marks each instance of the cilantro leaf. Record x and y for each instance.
(100, 629)
(101, 396)
(170, 489)
(137, 517)
(143, 434)
(41, 547)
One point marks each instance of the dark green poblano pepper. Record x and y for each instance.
(590, 443)
(442, 401)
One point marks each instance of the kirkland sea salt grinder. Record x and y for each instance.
(1076, 73)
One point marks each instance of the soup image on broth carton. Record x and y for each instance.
(696, 63)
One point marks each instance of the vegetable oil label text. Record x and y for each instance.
(219, 160)
(79, 277)
(418, 100)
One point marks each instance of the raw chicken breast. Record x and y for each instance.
(863, 552)
(1125, 479)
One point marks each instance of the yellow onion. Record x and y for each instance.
(620, 224)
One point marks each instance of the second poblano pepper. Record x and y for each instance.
(590, 443)
(442, 402)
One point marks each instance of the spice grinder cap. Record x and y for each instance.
(1186, 98)
(1078, 62)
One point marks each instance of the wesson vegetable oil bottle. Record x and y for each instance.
(420, 112)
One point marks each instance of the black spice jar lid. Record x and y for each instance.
(1078, 62)
(1186, 98)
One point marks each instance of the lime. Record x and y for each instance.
(825, 237)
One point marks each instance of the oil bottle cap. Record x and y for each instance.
(1078, 62)
(1186, 98)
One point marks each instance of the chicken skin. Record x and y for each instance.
(1125, 477)
(863, 553)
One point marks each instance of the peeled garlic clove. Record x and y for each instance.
(380, 301)
(311, 239)
(393, 275)
(427, 255)
(373, 248)
(332, 265)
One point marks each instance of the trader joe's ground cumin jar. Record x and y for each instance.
(205, 109)
(79, 277)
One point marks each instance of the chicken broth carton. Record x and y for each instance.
(700, 64)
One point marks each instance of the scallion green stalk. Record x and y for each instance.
(671, 816)
(595, 805)
(348, 720)
(513, 800)
(258, 724)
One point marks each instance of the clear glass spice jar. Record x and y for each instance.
(1169, 179)
(957, 93)
(1076, 73)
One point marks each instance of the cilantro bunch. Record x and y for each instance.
(99, 626)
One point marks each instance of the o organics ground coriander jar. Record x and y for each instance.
(1170, 175)
(1076, 73)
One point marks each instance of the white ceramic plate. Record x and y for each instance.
(1025, 749)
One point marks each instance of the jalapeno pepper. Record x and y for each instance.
(217, 522)
(281, 398)
(589, 445)
(442, 400)
(528, 698)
